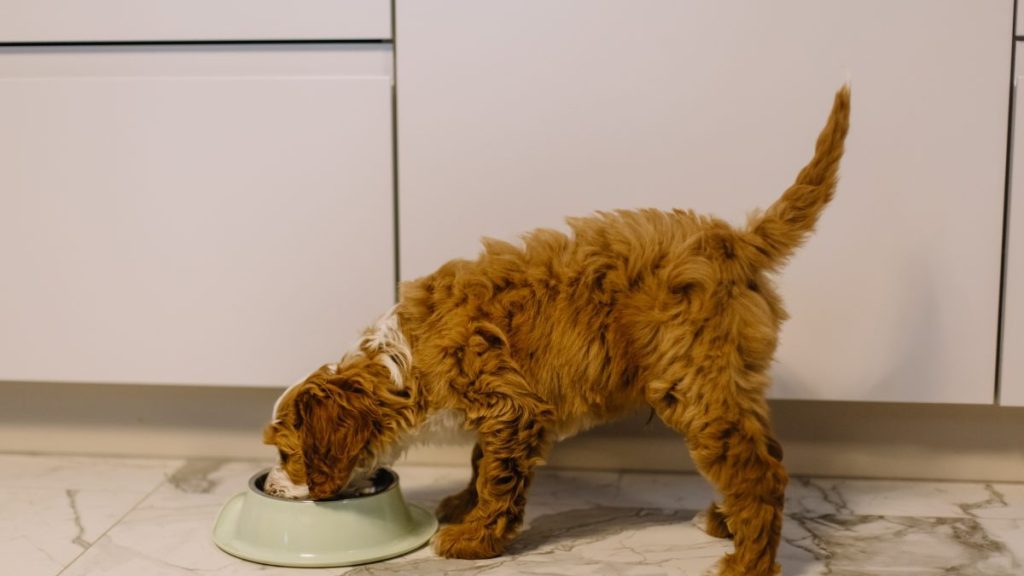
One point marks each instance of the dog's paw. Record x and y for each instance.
(467, 542)
(712, 570)
(454, 508)
(712, 521)
(732, 565)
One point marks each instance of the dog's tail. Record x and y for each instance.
(787, 223)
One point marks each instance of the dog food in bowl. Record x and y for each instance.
(380, 480)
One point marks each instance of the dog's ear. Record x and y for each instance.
(333, 431)
(270, 432)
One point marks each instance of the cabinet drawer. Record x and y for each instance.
(198, 224)
(187, 20)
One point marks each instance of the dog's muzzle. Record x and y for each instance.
(279, 484)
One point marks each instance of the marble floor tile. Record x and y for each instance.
(584, 522)
(54, 508)
(876, 545)
(83, 472)
(574, 525)
(598, 540)
(868, 527)
(170, 531)
(661, 490)
(154, 517)
(888, 498)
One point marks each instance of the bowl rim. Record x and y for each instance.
(254, 489)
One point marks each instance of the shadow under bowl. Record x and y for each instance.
(350, 529)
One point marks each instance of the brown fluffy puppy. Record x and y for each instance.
(532, 343)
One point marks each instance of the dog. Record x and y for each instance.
(532, 343)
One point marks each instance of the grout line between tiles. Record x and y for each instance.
(103, 535)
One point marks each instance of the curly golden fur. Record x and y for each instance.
(534, 342)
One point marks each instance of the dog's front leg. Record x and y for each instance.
(455, 507)
(512, 424)
(512, 441)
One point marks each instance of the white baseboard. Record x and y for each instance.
(820, 438)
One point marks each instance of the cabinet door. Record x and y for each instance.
(191, 216)
(1011, 381)
(514, 114)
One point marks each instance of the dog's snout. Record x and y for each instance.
(279, 484)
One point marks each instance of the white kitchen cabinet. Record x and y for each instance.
(1011, 381)
(192, 215)
(513, 114)
(192, 20)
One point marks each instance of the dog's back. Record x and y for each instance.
(592, 318)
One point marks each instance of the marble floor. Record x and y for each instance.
(78, 516)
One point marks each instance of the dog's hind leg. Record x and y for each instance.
(731, 443)
(454, 508)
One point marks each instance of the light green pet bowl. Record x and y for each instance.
(352, 530)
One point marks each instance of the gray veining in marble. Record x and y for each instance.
(861, 527)
(995, 500)
(78, 539)
(869, 545)
(196, 476)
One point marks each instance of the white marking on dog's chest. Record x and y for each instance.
(387, 342)
(443, 427)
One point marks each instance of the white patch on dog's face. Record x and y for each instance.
(279, 484)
